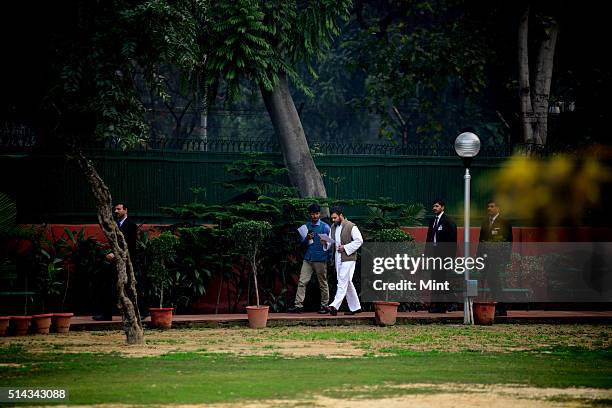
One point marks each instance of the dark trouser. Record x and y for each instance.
(492, 281)
(440, 302)
(106, 291)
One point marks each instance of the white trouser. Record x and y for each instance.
(344, 272)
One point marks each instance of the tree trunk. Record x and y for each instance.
(543, 77)
(126, 281)
(527, 117)
(254, 267)
(303, 172)
(534, 102)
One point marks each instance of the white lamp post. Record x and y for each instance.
(467, 146)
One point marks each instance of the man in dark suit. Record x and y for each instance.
(442, 228)
(441, 242)
(494, 231)
(127, 227)
(108, 280)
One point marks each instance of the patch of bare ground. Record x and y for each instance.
(434, 395)
(238, 342)
(329, 342)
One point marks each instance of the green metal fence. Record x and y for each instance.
(48, 189)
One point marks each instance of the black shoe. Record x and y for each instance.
(333, 311)
(323, 310)
(354, 312)
(100, 318)
(296, 309)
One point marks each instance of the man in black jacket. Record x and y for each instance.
(441, 228)
(494, 232)
(108, 280)
(441, 242)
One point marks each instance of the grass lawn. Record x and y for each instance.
(189, 367)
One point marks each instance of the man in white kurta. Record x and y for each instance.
(347, 240)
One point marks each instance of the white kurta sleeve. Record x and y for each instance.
(354, 245)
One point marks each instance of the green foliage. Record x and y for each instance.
(49, 280)
(58, 270)
(280, 256)
(257, 178)
(200, 253)
(161, 252)
(119, 45)
(249, 236)
(386, 214)
(175, 269)
(259, 40)
(425, 65)
(390, 235)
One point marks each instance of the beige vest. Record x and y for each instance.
(345, 238)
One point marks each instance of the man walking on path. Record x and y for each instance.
(346, 239)
(315, 260)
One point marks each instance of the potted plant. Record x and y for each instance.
(161, 251)
(48, 284)
(484, 313)
(80, 251)
(8, 218)
(249, 237)
(385, 312)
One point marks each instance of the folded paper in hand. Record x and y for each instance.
(326, 238)
(303, 230)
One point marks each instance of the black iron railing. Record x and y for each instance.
(27, 140)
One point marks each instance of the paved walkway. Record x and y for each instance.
(365, 318)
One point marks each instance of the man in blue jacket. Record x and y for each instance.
(315, 260)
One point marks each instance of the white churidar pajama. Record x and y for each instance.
(345, 270)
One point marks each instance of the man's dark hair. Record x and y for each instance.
(313, 208)
(336, 209)
(125, 207)
(439, 202)
(491, 201)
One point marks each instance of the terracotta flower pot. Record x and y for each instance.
(258, 316)
(484, 313)
(61, 322)
(385, 313)
(161, 317)
(20, 325)
(42, 322)
(4, 322)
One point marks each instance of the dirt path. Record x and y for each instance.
(436, 396)
(329, 342)
(203, 341)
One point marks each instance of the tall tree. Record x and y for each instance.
(534, 90)
(263, 41)
(426, 68)
(101, 50)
